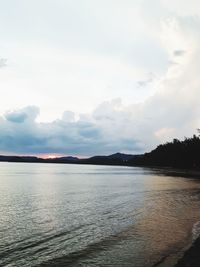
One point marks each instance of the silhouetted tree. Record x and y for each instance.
(180, 154)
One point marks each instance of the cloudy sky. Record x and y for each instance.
(85, 77)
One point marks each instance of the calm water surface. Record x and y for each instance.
(78, 215)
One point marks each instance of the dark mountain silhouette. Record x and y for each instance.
(20, 158)
(121, 156)
(114, 159)
(69, 158)
(64, 159)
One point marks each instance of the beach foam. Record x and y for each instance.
(195, 231)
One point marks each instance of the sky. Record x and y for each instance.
(85, 77)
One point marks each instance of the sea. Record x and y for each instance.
(86, 215)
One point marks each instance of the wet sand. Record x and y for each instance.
(191, 257)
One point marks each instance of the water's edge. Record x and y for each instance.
(191, 256)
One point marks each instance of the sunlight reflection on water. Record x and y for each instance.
(75, 215)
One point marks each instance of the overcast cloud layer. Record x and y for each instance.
(124, 74)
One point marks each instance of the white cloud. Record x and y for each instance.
(80, 72)
(165, 134)
(182, 8)
(74, 55)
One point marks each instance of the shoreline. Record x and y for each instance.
(176, 172)
(168, 171)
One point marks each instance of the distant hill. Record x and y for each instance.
(19, 159)
(121, 156)
(69, 158)
(114, 159)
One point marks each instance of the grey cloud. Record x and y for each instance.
(68, 116)
(3, 62)
(19, 116)
(179, 53)
(143, 83)
(21, 133)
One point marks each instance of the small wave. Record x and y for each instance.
(195, 231)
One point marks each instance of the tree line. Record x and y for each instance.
(179, 154)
